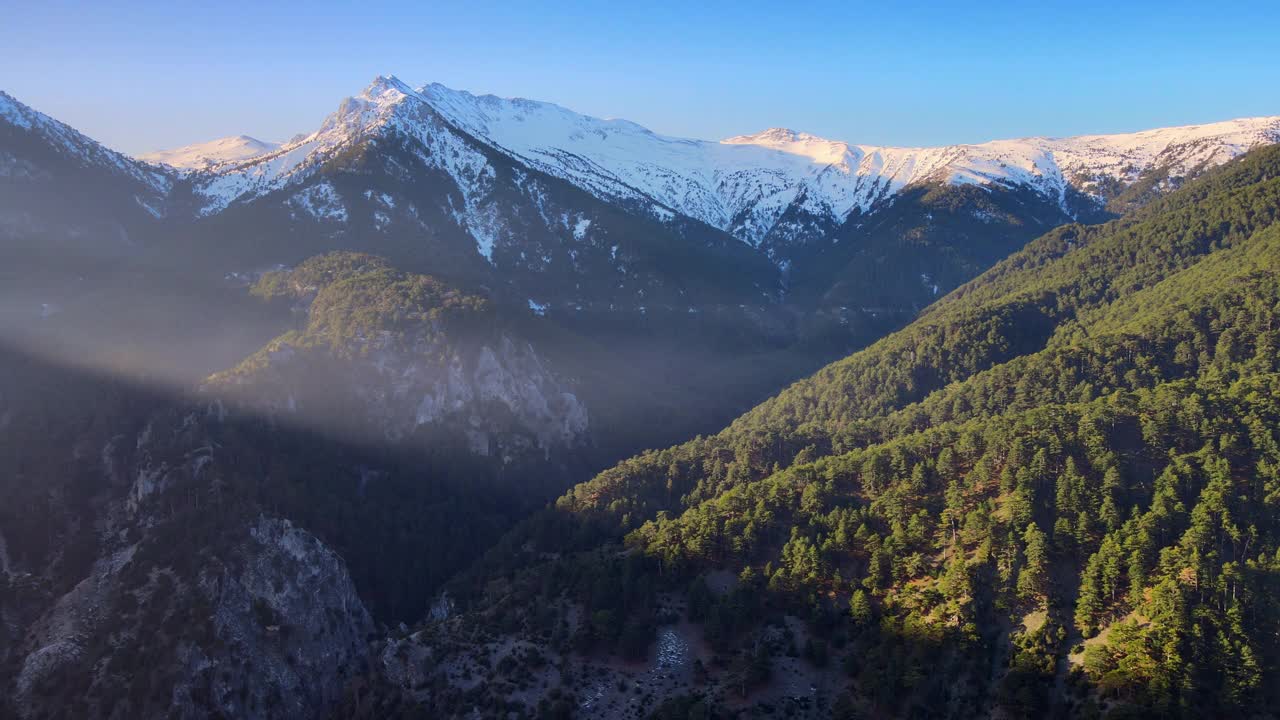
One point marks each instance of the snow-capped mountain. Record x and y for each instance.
(386, 105)
(577, 209)
(1049, 163)
(215, 152)
(390, 174)
(745, 185)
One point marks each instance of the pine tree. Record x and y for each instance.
(860, 609)
(956, 584)
(1089, 603)
(1033, 578)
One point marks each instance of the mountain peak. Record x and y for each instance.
(376, 102)
(209, 154)
(773, 134)
(778, 136)
(383, 84)
(818, 149)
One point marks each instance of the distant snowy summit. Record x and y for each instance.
(747, 185)
(215, 152)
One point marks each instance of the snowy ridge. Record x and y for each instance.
(209, 154)
(742, 185)
(387, 107)
(223, 183)
(384, 107)
(78, 147)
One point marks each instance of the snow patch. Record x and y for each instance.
(382, 198)
(322, 202)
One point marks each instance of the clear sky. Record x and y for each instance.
(142, 75)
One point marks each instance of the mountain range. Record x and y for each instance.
(507, 178)
(750, 186)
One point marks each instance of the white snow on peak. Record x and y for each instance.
(819, 150)
(208, 154)
(386, 106)
(356, 119)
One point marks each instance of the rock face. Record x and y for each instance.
(499, 395)
(439, 361)
(287, 604)
(510, 376)
(144, 585)
(270, 629)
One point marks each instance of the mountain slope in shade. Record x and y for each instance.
(60, 189)
(209, 154)
(16, 118)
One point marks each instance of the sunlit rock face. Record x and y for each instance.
(510, 378)
(500, 395)
(401, 357)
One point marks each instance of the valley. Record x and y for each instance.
(466, 406)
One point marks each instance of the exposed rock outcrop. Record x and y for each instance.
(438, 362)
(192, 605)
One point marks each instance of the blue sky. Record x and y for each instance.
(146, 75)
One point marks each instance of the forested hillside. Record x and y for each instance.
(977, 343)
(1055, 492)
